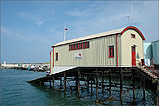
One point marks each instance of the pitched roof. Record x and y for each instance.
(112, 32)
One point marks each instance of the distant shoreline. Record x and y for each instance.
(20, 68)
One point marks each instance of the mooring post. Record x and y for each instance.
(96, 87)
(110, 83)
(64, 82)
(144, 88)
(102, 81)
(91, 86)
(133, 76)
(53, 82)
(121, 87)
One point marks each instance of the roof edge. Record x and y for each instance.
(122, 30)
(85, 40)
(136, 29)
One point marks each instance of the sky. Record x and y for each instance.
(30, 28)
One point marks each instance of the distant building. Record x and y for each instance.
(147, 51)
(155, 51)
(117, 48)
(151, 51)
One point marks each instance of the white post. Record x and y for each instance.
(65, 32)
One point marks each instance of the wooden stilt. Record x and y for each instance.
(78, 84)
(133, 86)
(53, 82)
(87, 84)
(50, 82)
(157, 94)
(110, 83)
(64, 82)
(157, 100)
(91, 86)
(76, 77)
(60, 82)
(96, 88)
(121, 87)
(102, 81)
(144, 88)
(70, 89)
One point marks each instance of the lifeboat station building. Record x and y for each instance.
(117, 48)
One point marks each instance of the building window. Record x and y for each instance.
(132, 35)
(86, 44)
(74, 47)
(77, 46)
(56, 56)
(111, 51)
(70, 47)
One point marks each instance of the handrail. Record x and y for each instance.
(152, 67)
(152, 70)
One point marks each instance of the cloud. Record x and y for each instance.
(94, 20)
(38, 17)
(76, 12)
(38, 21)
(16, 35)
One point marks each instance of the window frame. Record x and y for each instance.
(133, 36)
(70, 47)
(56, 59)
(111, 51)
(77, 46)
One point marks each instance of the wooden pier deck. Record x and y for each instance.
(104, 80)
(40, 80)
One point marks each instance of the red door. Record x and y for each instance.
(133, 56)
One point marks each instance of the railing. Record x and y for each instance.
(155, 72)
(150, 68)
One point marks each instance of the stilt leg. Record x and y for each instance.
(102, 81)
(144, 88)
(60, 82)
(64, 82)
(78, 84)
(50, 82)
(96, 88)
(133, 86)
(53, 82)
(121, 87)
(87, 84)
(91, 86)
(110, 83)
(157, 94)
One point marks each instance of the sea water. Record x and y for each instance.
(14, 90)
